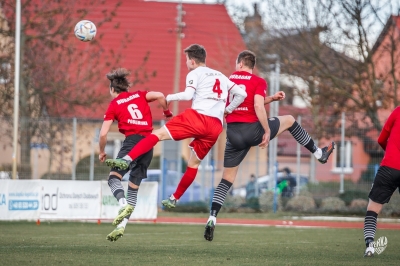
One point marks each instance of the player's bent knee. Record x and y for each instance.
(161, 134)
(134, 181)
(114, 175)
(290, 119)
(286, 121)
(374, 206)
(134, 185)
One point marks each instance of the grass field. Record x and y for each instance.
(24, 243)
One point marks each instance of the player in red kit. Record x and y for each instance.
(208, 90)
(248, 126)
(132, 111)
(387, 178)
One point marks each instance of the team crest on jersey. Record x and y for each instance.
(190, 81)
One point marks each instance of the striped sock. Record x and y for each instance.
(370, 227)
(219, 196)
(302, 137)
(132, 197)
(116, 187)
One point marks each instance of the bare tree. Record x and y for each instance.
(58, 73)
(330, 45)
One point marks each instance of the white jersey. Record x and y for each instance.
(211, 91)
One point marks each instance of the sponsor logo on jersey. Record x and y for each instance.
(190, 81)
(240, 77)
(241, 109)
(213, 74)
(133, 96)
(136, 122)
(217, 99)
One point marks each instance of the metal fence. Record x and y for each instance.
(67, 149)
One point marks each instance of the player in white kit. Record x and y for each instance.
(208, 89)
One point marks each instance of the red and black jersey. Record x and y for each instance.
(132, 112)
(389, 139)
(253, 85)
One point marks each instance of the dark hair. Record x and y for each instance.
(118, 79)
(197, 53)
(248, 58)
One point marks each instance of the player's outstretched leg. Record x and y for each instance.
(116, 234)
(326, 152)
(118, 163)
(302, 137)
(122, 213)
(209, 229)
(170, 202)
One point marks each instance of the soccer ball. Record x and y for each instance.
(85, 30)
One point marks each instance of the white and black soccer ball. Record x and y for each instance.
(85, 30)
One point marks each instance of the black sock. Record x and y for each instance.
(370, 226)
(219, 196)
(302, 137)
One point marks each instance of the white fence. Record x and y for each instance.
(70, 200)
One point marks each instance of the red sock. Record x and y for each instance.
(187, 179)
(143, 146)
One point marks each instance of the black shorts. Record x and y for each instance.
(138, 167)
(386, 181)
(240, 137)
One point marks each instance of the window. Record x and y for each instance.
(5, 69)
(348, 158)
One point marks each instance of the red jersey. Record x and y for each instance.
(132, 112)
(253, 85)
(389, 139)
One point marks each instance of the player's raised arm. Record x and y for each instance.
(186, 95)
(238, 97)
(279, 96)
(159, 96)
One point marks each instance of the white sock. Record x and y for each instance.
(318, 153)
(212, 218)
(172, 197)
(127, 158)
(123, 223)
(122, 202)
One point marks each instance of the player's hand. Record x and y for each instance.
(168, 114)
(279, 96)
(102, 156)
(265, 140)
(226, 112)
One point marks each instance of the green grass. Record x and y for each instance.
(24, 243)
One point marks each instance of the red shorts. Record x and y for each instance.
(190, 124)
